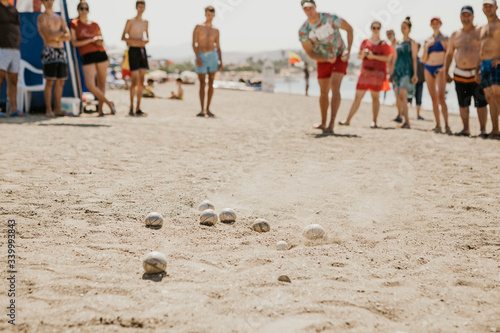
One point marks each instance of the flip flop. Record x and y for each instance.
(139, 113)
(17, 114)
(201, 114)
(483, 135)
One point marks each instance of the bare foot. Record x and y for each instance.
(374, 125)
(319, 127)
(344, 123)
(210, 114)
(406, 126)
(201, 114)
(328, 131)
(448, 130)
(113, 109)
(437, 130)
(49, 114)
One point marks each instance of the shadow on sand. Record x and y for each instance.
(325, 135)
(75, 125)
(154, 277)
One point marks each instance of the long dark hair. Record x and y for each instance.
(79, 5)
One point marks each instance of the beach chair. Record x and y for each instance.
(24, 91)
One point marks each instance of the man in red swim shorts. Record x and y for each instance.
(321, 39)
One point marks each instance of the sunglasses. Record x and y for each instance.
(84, 9)
(211, 10)
(376, 28)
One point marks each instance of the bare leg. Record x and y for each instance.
(90, 73)
(431, 86)
(398, 104)
(324, 102)
(202, 79)
(2, 77)
(335, 82)
(464, 114)
(12, 91)
(403, 101)
(133, 89)
(140, 88)
(47, 93)
(354, 107)
(494, 96)
(441, 83)
(375, 107)
(482, 114)
(102, 73)
(58, 92)
(210, 93)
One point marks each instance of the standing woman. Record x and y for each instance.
(435, 77)
(86, 35)
(375, 54)
(405, 69)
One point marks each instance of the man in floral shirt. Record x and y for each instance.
(321, 39)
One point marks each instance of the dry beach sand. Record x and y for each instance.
(412, 220)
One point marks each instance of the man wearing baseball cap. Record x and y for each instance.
(321, 39)
(464, 46)
(490, 63)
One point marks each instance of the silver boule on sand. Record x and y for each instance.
(154, 220)
(227, 215)
(314, 232)
(261, 225)
(208, 217)
(204, 205)
(282, 245)
(154, 263)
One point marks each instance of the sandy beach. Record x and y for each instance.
(412, 219)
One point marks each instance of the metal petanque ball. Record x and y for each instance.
(154, 220)
(313, 232)
(208, 217)
(227, 215)
(261, 225)
(154, 263)
(282, 245)
(206, 205)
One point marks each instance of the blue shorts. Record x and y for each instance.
(490, 76)
(210, 62)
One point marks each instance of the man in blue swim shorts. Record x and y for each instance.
(206, 46)
(490, 63)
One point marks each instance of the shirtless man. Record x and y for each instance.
(136, 36)
(322, 41)
(54, 33)
(464, 46)
(490, 62)
(206, 46)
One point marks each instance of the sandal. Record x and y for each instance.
(139, 113)
(131, 112)
(406, 126)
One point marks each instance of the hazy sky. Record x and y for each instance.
(260, 25)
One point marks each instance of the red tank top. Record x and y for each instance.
(87, 31)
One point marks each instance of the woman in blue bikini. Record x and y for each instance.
(435, 77)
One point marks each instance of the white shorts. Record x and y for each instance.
(10, 60)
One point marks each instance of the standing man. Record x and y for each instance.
(10, 56)
(321, 39)
(306, 76)
(464, 46)
(136, 35)
(206, 46)
(490, 62)
(54, 33)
